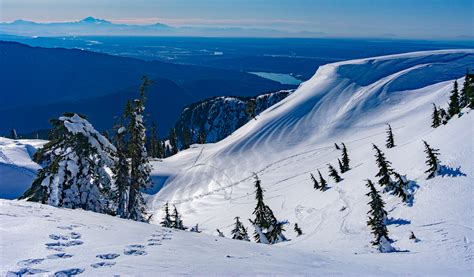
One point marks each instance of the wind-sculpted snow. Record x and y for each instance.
(344, 102)
(211, 184)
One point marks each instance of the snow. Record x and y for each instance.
(211, 184)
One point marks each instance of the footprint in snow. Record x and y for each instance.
(59, 256)
(103, 264)
(134, 252)
(29, 262)
(109, 256)
(75, 235)
(25, 271)
(58, 237)
(154, 243)
(136, 246)
(64, 244)
(69, 272)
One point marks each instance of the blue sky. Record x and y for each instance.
(402, 18)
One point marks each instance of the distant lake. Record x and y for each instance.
(285, 79)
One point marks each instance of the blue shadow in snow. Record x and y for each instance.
(397, 221)
(450, 171)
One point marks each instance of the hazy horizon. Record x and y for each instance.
(364, 18)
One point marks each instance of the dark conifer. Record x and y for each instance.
(390, 143)
(297, 230)
(341, 167)
(454, 107)
(337, 146)
(267, 228)
(333, 173)
(464, 96)
(173, 139)
(400, 187)
(202, 136)
(176, 221)
(384, 168)
(121, 172)
(315, 182)
(239, 232)
(377, 218)
(167, 221)
(432, 160)
(444, 116)
(435, 117)
(322, 182)
(345, 159)
(140, 167)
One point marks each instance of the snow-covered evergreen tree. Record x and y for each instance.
(267, 228)
(390, 142)
(322, 182)
(444, 116)
(377, 219)
(298, 230)
(121, 172)
(173, 139)
(333, 173)
(167, 221)
(176, 221)
(400, 187)
(454, 107)
(345, 159)
(464, 96)
(140, 167)
(239, 232)
(74, 165)
(384, 168)
(435, 117)
(315, 182)
(195, 229)
(432, 160)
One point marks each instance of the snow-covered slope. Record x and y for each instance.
(211, 184)
(349, 102)
(17, 170)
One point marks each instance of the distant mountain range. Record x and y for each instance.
(96, 26)
(42, 83)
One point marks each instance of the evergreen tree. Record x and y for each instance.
(140, 167)
(469, 89)
(186, 138)
(267, 228)
(345, 159)
(154, 142)
(239, 232)
(333, 173)
(436, 117)
(202, 136)
(297, 230)
(315, 182)
(220, 233)
(337, 146)
(384, 168)
(13, 134)
(322, 182)
(377, 219)
(173, 139)
(400, 187)
(167, 221)
(444, 116)
(195, 229)
(121, 172)
(251, 108)
(341, 167)
(176, 221)
(432, 160)
(454, 107)
(74, 162)
(390, 143)
(464, 96)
